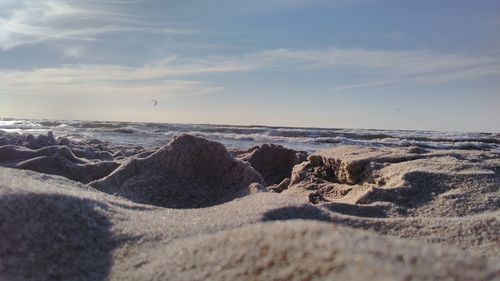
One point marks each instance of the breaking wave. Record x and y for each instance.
(242, 137)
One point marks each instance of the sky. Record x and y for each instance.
(386, 64)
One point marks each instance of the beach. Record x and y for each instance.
(273, 140)
(192, 209)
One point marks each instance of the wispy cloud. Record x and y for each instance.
(25, 22)
(385, 68)
(33, 21)
(394, 61)
(374, 68)
(101, 81)
(175, 76)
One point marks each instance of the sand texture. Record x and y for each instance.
(193, 211)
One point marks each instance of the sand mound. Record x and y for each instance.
(452, 185)
(299, 250)
(53, 237)
(189, 172)
(400, 181)
(347, 164)
(92, 154)
(55, 160)
(90, 149)
(10, 153)
(273, 162)
(29, 141)
(58, 165)
(10, 138)
(476, 233)
(41, 141)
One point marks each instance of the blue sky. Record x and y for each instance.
(432, 65)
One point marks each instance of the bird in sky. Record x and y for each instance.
(155, 102)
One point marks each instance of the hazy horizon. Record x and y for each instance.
(370, 64)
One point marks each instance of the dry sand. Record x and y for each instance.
(190, 211)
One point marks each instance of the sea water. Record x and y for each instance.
(243, 137)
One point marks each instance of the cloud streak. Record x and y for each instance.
(173, 75)
(35, 21)
(101, 81)
(385, 68)
(377, 68)
(24, 22)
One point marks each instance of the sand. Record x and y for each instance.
(191, 211)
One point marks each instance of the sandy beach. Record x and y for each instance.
(273, 140)
(192, 210)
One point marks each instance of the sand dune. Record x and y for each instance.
(190, 211)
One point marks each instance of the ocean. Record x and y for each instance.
(243, 137)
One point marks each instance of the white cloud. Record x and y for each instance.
(34, 21)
